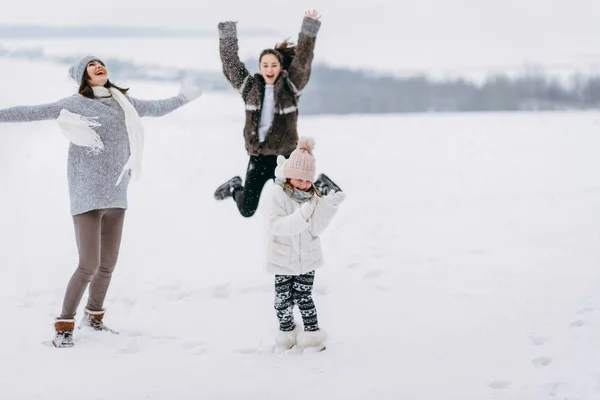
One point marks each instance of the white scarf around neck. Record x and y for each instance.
(78, 130)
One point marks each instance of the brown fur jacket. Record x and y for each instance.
(283, 136)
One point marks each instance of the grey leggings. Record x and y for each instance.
(98, 234)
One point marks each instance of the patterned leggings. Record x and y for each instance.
(293, 290)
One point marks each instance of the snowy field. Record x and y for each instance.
(463, 264)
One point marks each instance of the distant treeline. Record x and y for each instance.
(342, 91)
(345, 91)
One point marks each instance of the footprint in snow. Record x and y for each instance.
(197, 348)
(500, 384)
(577, 324)
(353, 265)
(373, 274)
(586, 310)
(541, 362)
(222, 291)
(539, 340)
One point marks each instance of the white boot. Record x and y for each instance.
(314, 340)
(286, 340)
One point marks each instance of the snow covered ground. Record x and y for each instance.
(463, 264)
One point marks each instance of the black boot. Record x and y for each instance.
(226, 190)
(326, 185)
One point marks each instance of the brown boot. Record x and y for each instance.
(93, 319)
(64, 333)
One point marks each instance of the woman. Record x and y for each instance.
(271, 100)
(100, 163)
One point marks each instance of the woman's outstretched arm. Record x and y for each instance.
(300, 68)
(234, 69)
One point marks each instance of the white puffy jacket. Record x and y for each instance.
(293, 245)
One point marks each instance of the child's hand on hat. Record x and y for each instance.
(335, 198)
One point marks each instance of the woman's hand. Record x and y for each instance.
(313, 14)
(190, 90)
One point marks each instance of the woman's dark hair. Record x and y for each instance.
(86, 90)
(284, 51)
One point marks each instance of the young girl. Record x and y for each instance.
(271, 100)
(100, 163)
(296, 217)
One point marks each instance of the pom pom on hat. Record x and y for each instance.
(307, 144)
(301, 164)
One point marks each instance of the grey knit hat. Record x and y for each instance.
(78, 70)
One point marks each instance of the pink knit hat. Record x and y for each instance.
(301, 164)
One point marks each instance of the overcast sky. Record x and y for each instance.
(382, 19)
(373, 29)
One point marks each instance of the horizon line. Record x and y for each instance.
(54, 31)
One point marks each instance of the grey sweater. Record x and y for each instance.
(92, 178)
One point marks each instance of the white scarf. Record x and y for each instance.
(78, 130)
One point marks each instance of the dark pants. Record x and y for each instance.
(260, 170)
(98, 234)
(293, 290)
